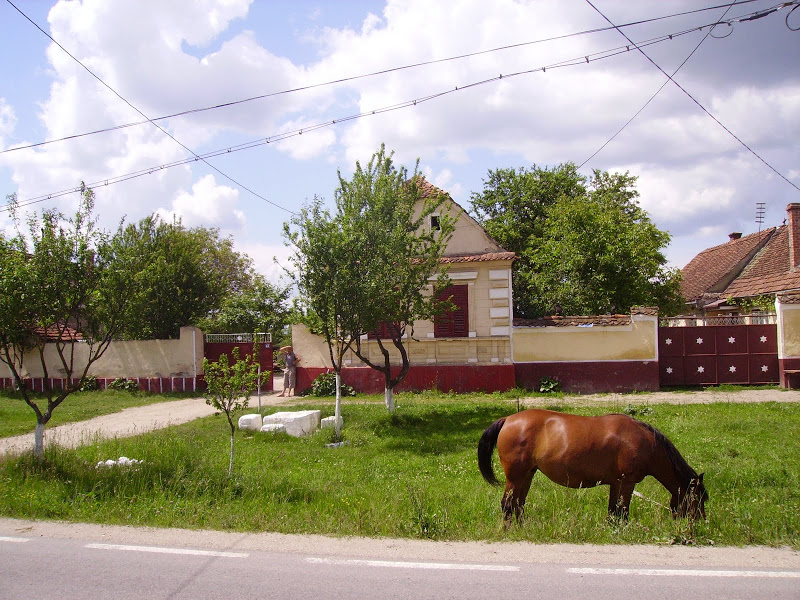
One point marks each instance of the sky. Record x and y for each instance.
(423, 78)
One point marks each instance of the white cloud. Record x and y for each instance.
(7, 121)
(208, 204)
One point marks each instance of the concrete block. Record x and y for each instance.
(328, 422)
(297, 423)
(273, 428)
(251, 422)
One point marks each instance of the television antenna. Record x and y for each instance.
(760, 210)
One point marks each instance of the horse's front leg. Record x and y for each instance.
(619, 499)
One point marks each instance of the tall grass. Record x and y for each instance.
(414, 474)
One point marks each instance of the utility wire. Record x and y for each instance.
(578, 61)
(362, 76)
(703, 108)
(297, 132)
(658, 91)
(164, 131)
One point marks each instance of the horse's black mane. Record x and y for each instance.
(682, 468)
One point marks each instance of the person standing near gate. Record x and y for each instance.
(290, 373)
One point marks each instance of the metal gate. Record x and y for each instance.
(716, 354)
(217, 344)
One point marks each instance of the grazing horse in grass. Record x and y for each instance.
(582, 452)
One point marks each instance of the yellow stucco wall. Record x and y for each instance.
(789, 330)
(636, 341)
(144, 358)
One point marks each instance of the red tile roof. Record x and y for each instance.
(54, 332)
(751, 266)
(478, 257)
(559, 321)
(710, 271)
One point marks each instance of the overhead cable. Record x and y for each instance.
(164, 131)
(697, 102)
(365, 75)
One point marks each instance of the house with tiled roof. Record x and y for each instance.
(468, 348)
(767, 263)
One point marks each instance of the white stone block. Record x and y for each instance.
(328, 422)
(273, 428)
(251, 422)
(297, 423)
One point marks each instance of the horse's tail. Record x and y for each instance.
(485, 449)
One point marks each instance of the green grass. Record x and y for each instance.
(17, 418)
(414, 474)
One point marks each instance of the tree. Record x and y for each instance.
(388, 212)
(258, 307)
(585, 246)
(184, 275)
(64, 293)
(326, 262)
(228, 387)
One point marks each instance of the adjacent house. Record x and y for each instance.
(467, 349)
(726, 279)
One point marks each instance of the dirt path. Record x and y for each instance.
(140, 419)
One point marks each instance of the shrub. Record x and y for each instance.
(325, 385)
(89, 384)
(549, 385)
(124, 385)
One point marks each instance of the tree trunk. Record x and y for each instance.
(388, 396)
(38, 441)
(230, 465)
(338, 410)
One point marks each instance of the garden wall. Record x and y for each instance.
(615, 353)
(157, 365)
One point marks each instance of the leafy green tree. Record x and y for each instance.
(584, 246)
(388, 212)
(64, 296)
(228, 388)
(184, 275)
(327, 262)
(259, 307)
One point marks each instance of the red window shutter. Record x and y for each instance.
(454, 323)
(384, 331)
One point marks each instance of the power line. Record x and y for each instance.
(703, 108)
(362, 76)
(297, 132)
(577, 61)
(164, 131)
(658, 91)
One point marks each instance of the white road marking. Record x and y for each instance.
(410, 565)
(159, 550)
(684, 573)
(13, 539)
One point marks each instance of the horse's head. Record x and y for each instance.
(692, 501)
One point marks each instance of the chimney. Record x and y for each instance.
(793, 212)
(734, 236)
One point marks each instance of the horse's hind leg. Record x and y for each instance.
(513, 502)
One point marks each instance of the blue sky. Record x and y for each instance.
(695, 179)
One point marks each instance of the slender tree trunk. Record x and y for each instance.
(388, 396)
(38, 441)
(338, 410)
(230, 465)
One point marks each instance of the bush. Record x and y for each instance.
(89, 384)
(325, 385)
(124, 385)
(549, 385)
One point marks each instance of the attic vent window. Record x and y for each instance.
(435, 223)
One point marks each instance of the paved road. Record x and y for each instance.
(90, 561)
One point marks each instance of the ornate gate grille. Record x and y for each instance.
(711, 355)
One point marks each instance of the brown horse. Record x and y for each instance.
(580, 452)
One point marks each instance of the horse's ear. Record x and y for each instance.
(700, 477)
